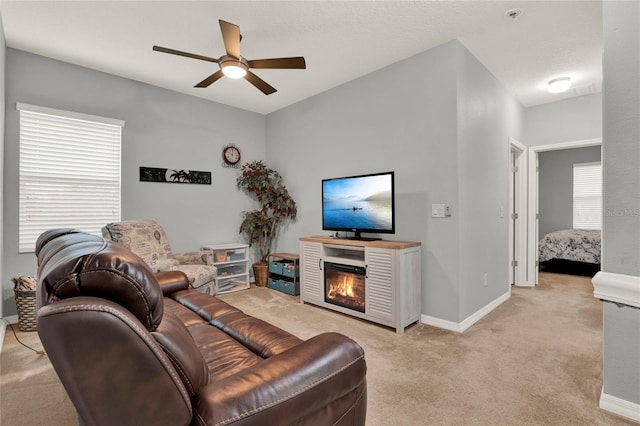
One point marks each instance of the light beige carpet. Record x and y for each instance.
(535, 360)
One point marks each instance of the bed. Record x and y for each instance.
(571, 251)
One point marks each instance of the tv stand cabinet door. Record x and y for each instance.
(380, 284)
(311, 272)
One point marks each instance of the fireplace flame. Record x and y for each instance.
(344, 288)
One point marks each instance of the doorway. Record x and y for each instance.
(533, 199)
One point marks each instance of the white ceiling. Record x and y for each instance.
(341, 40)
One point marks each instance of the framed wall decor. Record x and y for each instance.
(155, 174)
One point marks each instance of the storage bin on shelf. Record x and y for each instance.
(286, 268)
(285, 286)
(284, 273)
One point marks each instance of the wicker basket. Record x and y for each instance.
(26, 304)
(261, 273)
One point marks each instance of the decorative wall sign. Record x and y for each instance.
(154, 174)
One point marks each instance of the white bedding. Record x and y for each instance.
(578, 245)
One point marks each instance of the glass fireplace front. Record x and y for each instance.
(344, 286)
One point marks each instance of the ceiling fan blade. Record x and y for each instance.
(231, 38)
(290, 63)
(211, 79)
(262, 85)
(185, 54)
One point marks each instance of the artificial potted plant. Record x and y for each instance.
(260, 227)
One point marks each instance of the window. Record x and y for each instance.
(69, 172)
(587, 196)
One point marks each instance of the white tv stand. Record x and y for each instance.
(392, 280)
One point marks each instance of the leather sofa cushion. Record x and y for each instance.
(77, 264)
(262, 338)
(181, 349)
(223, 355)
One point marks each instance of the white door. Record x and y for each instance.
(513, 217)
(516, 214)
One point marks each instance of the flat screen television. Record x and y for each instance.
(359, 204)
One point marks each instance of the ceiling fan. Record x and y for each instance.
(235, 66)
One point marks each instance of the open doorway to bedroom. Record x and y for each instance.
(557, 240)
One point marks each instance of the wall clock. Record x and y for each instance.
(231, 156)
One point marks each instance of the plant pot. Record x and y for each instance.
(261, 273)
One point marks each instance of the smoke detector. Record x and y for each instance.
(513, 14)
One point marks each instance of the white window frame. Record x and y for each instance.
(70, 167)
(587, 195)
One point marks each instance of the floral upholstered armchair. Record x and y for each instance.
(147, 239)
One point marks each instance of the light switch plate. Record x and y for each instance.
(437, 210)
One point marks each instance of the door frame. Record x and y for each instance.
(518, 233)
(532, 214)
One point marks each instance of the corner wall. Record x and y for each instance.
(621, 222)
(406, 117)
(163, 129)
(401, 118)
(487, 116)
(3, 50)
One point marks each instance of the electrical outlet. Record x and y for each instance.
(486, 277)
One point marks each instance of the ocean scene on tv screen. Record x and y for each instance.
(362, 203)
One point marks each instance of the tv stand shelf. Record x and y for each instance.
(392, 280)
(347, 255)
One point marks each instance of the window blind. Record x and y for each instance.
(587, 196)
(69, 172)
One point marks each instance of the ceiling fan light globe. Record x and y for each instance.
(233, 71)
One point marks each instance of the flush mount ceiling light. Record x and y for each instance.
(559, 85)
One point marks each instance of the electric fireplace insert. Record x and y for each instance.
(344, 286)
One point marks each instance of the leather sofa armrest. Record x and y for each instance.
(109, 364)
(201, 257)
(172, 281)
(322, 377)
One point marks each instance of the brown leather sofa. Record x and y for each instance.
(135, 348)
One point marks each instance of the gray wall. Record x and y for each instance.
(567, 120)
(440, 121)
(622, 136)
(3, 49)
(555, 185)
(401, 118)
(621, 169)
(487, 116)
(163, 129)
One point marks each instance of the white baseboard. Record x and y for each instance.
(468, 322)
(13, 319)
(620, 407)
(440, 323)
(3, 327)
